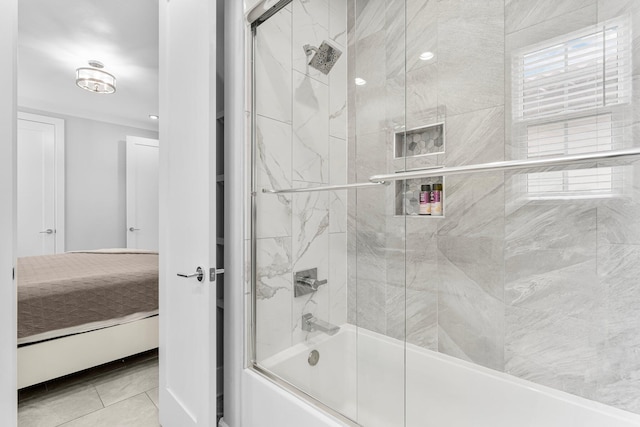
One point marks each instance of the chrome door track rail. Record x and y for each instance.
(543, 162)
(325, 188)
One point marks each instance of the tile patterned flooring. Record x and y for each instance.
(123, 393)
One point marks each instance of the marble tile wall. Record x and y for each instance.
(301, 142)
(546, 291)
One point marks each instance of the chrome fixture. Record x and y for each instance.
(306, 282)
(313, 358)
(199, 274)
(312, 324)
(94, 79)
(510, 165)
(325, 56)
(325, 188)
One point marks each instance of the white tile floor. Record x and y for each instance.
(118, 394)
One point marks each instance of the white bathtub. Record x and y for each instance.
(368, 386)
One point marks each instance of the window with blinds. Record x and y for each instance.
(569, 98)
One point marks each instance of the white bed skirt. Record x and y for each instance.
(46, 360)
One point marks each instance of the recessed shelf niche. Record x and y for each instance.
(407, 200)
(421, 141)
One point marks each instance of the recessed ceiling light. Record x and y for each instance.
(425, 56)
(360, 82)
(153, 117)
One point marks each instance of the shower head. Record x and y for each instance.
(325, 56)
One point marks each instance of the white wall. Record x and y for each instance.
(8, 37)
(95, 181)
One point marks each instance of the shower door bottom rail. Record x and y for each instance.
(510, 165)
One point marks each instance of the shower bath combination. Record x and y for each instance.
(324, 57)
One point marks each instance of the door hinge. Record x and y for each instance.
(13, 273)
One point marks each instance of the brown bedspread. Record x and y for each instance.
(65, 290)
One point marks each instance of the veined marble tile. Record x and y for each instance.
(395, 39)
(412, 316)
(370, 281)
(369, 111)
(475, 137)
(273, 218)
(553, 349)
(519, 14)
(369, 17)
(337, 161)
(310, 26)
(273, 141)
(421, 96)
(422, 32)
(470, 55)
(310, 222)
(543, 237)
(337, 175)
(274, 296)
(338, 278)
(273, 67)
(338, 211)
(619, 272)
(471, 318)
(338, 98)
(396, 312)
(472, 234)
(621, 392)
(310, 130)
(573, 290)
(338, 22)
(421, 253)
(618, 217)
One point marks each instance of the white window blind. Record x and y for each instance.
(569, 97)
(582, 71)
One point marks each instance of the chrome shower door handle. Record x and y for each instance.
(133, 229)
(199, 274)
(47, 231)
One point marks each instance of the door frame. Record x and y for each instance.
(59, 167)
(8, 129)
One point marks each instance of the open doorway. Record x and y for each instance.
(96, 366)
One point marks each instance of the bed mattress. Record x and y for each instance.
(64, 291)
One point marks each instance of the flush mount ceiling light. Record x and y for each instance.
(94, 79)
(153, 117)
(360, 81)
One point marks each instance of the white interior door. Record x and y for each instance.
(40, 175)
(187, 213)
(8, 327)
(142, 193)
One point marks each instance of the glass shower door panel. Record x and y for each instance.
(302, 335)
(377, 221)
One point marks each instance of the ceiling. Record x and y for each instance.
(56, 37)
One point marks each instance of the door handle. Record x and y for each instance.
(199, 274)
(47, 231)
(133, 229)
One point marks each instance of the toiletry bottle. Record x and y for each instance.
(436, 200)
(425, 202)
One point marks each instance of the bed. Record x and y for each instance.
(82, 309)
